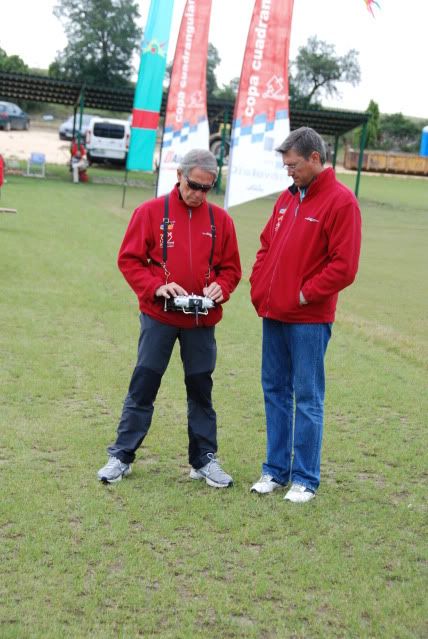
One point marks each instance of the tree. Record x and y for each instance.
(102, 36)
(12, 63)
(213, 60)
(373, 128)
(317, 70)
(228, 91)
(373, 125)
(398, 133)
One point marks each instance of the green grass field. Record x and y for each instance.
(159, 555)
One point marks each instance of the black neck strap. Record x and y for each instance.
(210, 210)
(165, 229)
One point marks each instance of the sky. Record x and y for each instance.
(392, 45)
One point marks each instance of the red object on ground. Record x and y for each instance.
(79, 152)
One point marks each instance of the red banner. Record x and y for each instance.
(261, 119)
(186, 123)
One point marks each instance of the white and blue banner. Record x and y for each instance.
(186, 123)
(261, 120)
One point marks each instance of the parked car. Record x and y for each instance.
(66, 128)
(12, 117)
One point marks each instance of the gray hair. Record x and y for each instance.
(304, 141)
(199, 159)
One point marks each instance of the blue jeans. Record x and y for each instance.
(294, 387)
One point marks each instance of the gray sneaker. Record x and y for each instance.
(213, 474)
(113, 471)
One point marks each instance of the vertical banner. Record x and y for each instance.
(148, 92)
(261, 119)
(186, 122)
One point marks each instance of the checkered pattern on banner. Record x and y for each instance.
(180, 135)
(257, 130)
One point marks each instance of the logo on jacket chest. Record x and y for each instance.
(311, 219)
(281, 214)
(169, 234)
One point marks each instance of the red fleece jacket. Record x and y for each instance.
(311, 246)
(188, 249)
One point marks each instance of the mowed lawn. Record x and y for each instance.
(159, 555)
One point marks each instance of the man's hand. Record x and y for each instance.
(214, 292)
(171, 289)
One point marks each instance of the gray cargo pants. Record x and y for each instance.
(198, 353)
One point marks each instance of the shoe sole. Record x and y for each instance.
(299, 501)
(265, 492)
(105, 480)
(195, 475)
(213, 484)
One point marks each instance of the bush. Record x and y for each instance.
(398, 133)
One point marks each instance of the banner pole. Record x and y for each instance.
(125, 184)
(221, 158)
(161, 137)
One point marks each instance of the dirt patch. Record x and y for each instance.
(20, 145)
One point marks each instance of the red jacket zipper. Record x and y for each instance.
(284, 242)
(190, 249)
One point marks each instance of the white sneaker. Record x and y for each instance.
(266, 484)
(299, 494)
(113, 471)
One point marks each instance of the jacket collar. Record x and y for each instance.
(324, 179)
(176, 195)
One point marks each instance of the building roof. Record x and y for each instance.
(39, 88)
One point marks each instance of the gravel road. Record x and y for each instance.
(20, 144)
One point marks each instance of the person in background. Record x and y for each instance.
(175, 246)
(309, 252)
(79, 162)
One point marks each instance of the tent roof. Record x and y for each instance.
(39, 88)
(324, 121)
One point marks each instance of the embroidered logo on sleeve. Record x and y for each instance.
(311, 219)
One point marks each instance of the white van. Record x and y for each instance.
(108, 140)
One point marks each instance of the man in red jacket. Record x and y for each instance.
(309, 252)
(180, 256)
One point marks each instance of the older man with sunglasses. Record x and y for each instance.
(180, 256)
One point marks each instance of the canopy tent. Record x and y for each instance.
(43, 89)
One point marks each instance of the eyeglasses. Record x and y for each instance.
(195, 186)
(293, 167)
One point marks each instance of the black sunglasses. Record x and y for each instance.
(195, 186)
